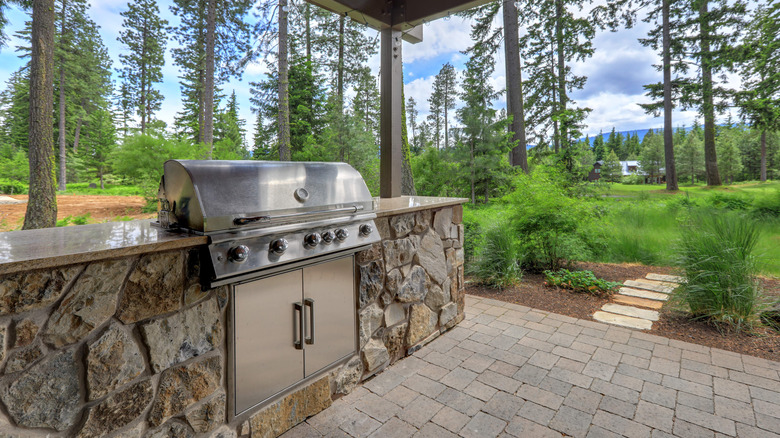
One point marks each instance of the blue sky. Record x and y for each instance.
(616, 72)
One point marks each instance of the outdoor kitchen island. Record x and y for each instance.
(107, 330)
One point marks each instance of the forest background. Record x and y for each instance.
(112, 124)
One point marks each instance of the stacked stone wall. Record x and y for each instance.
(410, 290)
(129, 347)
(133, 347)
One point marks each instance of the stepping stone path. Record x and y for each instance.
(637, 304)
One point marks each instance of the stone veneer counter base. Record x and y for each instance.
(105, 329)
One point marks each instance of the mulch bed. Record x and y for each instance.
(674, 324)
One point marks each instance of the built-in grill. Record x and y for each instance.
(283, 235)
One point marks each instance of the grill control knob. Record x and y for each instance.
(278, 246)
(366, 229)
(239, 253)
(328, 236)
(342, 233)
(311, 240)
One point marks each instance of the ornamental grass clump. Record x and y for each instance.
(497, 261)
(580, 281)
(717, 258)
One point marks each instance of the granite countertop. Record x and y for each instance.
(50, 247)
(409, 204)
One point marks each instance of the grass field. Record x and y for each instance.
(643, 223)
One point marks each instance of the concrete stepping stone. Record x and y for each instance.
(639, 302)
(622, 320)
(649, 286)
(650, 315)
(631, 292)
(666, 278)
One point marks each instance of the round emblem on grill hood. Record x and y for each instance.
(301, 194)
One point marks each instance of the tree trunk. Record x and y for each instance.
(708, 106)
(77, 134)
(340, 66)
(446, 116)
(42, 202)
(100, 174)
(561, 70)
(208, 91)
(556, 138)
(284, 85)
(61, 124)
(473, 193)
(144, 91)
(671, 172)
(514, 90)
(763, 155)
(407, 178)
(307, 12)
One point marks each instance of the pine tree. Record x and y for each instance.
(599, 148)
(483, 143)
(611, 170)
(614, 142)
(365, 103)
(231, 36)
(651, 159)
(760, 56)
(411, 111)
(555, 38)
(728, 150)
(145, 40)
(442, 100)
(99, 144)
(690, 157)
(42, 201)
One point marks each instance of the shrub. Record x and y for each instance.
(716, 255)
(12, 187)
(633, 179)
(729, 201)
(551, 225)
(580, 281)
(767, 206)
(497, 261)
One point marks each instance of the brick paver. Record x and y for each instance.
(511, 371)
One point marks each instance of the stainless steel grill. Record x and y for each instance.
(259, 214)
(283, 236)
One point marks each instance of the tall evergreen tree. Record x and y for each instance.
(230, 42)
(760, 56)
(555, 38)
(651, 159)
(482, 143)
(442, 98)
(144, 38)
(42, 201)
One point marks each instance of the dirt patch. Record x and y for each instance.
(100, 208)
(532, 292)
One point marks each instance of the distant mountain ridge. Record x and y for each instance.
(641, 133)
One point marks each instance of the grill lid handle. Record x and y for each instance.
(241, 221)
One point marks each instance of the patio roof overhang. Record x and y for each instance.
(396, 20)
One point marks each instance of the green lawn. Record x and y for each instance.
(659, 190)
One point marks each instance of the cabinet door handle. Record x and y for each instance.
(310, 302)
(298, 334)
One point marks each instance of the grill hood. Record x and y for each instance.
(208, 196)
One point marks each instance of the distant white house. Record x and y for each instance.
(630, 167)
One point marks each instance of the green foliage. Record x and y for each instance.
(74, 220)
(108, 190)
(611, 170)
(767, 206)
(719, 265)
(140, 158)
(12, 187)
(552, 226)
(14, 164)
(145, 38)
(633, 179)
(730, 201)
(651, 159)
(433, 170)
(580, 281)
(497, 260)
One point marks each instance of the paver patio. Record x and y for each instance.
(508, 370)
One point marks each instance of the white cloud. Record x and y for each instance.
(440, 36)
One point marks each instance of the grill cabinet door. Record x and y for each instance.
(266, 361)
(331, 286)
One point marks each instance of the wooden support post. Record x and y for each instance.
(391, 106)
